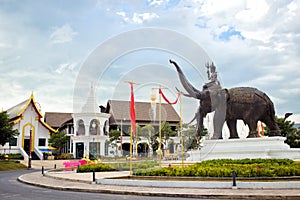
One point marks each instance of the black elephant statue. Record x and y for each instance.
(240, 103)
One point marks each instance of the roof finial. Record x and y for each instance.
(32, 96)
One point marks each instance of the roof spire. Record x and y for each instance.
(91, 104)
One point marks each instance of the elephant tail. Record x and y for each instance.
(271, 109)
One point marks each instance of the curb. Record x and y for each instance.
(154, 191)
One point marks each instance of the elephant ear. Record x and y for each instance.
(192, 91)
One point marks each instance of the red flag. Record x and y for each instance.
(132, 109)
(165, 98)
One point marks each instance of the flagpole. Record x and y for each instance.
(159, 116)
(159, 125)
(136, 144)
(161, 94)
(130, 159)
(180, 124)
(132, 117)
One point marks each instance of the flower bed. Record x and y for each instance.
(224, 168)
(74, 164)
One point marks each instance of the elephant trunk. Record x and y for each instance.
(192, 91)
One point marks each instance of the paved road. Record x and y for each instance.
(11, 189)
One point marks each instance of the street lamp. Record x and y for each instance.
(30, 147)
(121, 137)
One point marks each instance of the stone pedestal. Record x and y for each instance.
(262, 147)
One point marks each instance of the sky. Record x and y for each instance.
(58, 49)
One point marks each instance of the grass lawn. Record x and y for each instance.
(6, 165)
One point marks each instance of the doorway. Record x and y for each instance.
(79, 150)
(26, 145)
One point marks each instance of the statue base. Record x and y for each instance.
(262, 147)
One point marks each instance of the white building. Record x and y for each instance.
(91, 129)
(28, 120)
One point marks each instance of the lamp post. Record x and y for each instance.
(30, 147)
(121, 137)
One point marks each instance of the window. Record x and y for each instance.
(94, 149)
(13, 142)
(95, 127)
(80, 127)
(42, 142)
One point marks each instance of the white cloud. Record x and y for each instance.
(254, 11)
(270, 45)
(5, 45)
(69, 66)
(277, 100)
(265, 80)
(62, 34)
(137, 18)
(292, 8)
(209, 8)
(262, 35)
(157, 2)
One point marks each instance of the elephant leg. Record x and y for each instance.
(218, 125)
(273, 126)
(219, 102)
(199, 118)
(252, 126)
(232, 128)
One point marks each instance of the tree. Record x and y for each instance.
(148, 132)
(293, 139)
(287, 130)
(58, 140)
(167, 132)
(114, 139)
(285, 127)
(7, 133)
(189, 132)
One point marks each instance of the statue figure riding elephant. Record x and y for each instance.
(244, 103)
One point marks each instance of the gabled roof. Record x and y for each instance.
(18, 109)
(56, 119)
(15, 113)
(120, 111)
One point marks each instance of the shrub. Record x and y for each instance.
(224, 168)
(65, 156)
(13, 156)
(135, 165)
(97, 168)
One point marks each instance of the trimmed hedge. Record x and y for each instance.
(96, 168)
(123, 166)
(224, 168)
(118, 166)
(65, 156)
(12, 156)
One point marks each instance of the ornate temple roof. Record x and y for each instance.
(15, 113)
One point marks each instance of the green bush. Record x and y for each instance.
(224, 168)
(95, 167)
(13, 156)
(121, 166)
(65, 156)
